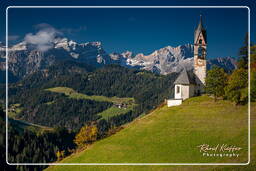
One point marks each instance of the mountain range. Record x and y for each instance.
(25, 58)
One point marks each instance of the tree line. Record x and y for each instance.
(234, 86)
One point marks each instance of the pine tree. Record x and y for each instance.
(243, 54)
(216, 80)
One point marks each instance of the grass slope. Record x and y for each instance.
(170, 135)
(112, 111)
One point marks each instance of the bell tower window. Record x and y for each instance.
(200, 52)
(200, 41)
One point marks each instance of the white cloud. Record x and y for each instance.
(44, 38)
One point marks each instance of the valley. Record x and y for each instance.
(71, 95)
(120, 105)
(21, 125)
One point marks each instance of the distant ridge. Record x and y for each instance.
(25, 58)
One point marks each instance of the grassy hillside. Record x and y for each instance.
(112, 111)
(170, 135)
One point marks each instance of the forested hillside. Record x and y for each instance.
(54, 109)
(109, 97)
(28, 146)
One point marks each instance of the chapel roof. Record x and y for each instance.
(185, 77)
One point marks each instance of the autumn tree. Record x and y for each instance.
(60, 155)
(86, 135)
(216, 81)
(237, 88)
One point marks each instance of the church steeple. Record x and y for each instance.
(200, 29)
(200, 45)
(200, 25)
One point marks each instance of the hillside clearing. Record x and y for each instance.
(171, 135)
(73, 94)
(120, 105)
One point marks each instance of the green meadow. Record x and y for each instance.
(73, 94)
(172, 135)
(112, 111)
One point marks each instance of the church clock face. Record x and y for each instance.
(200, 62)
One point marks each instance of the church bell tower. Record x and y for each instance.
(200, 44)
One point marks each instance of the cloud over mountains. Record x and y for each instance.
(44, 38)
(46, 35)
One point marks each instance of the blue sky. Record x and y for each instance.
(137, 30)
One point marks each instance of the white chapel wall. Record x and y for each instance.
(177, 93)
(185, 91)
(174, 102)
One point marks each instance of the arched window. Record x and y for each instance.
(200, 41)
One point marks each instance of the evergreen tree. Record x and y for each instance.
(216, 81)
(243, 54)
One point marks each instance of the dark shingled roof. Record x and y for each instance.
(185, 78)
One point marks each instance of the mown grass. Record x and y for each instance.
(112, 111)
(171, 135)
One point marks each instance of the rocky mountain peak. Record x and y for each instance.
(25, 58)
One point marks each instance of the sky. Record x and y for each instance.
(136, 30)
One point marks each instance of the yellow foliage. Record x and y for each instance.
(60, 155)
(86, 135)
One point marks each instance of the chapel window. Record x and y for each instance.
(178, 89)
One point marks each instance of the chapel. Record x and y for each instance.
(192, 83)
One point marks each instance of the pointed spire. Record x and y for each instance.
(200, 25)
(199, 29)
